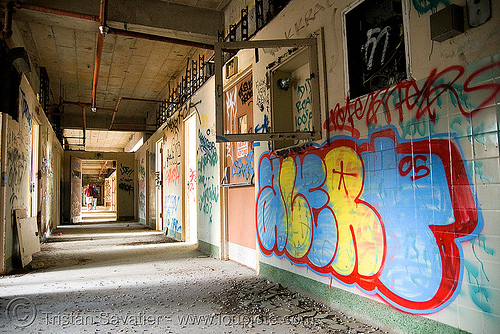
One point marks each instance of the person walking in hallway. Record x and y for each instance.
(94, 197)
(89, 192)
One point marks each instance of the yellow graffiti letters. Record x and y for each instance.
(360, 235)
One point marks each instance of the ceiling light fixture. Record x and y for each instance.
(104, 30)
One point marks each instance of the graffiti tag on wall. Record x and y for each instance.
(207, 164)
(417, 100)
(358, 211)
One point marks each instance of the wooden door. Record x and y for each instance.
(239, 167)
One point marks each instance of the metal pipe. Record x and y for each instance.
(102, 168)
(61, 12)
(146, 100)
(103, 12)
(98, 55)
(133, 124)
(97, 66)
(80, 104)
(114, 112)
(157, 38)
(128, 130)
(7, 25)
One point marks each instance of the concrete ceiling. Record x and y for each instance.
(129, 68)
(97, 140)
(97, 170)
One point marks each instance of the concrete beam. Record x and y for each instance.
(97, 121)
(145, 14)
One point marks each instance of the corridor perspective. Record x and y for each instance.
(250, 166)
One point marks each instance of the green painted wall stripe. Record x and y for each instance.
(207, 248)
(360, 307)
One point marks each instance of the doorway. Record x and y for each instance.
(35, 137)
(239, 175)
(100, 175)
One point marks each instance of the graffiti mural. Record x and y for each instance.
(358, 211)
(208, 186)
(170, 210)
(142, 190)
(172, 185)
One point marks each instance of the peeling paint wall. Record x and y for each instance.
(19, 171)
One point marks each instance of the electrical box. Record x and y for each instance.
(447, 23)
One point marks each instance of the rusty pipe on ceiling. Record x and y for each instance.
(54, 11)
(98, 55)
(7, 24)
(102, 168)
(103, 11)
(114, 112)
(78, 104)
(97, 66)
(158, 38)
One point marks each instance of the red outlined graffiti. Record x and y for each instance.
(292, 213)
(419, 100)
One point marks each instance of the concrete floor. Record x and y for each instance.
(123, 278)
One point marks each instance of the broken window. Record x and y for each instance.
(375, 38)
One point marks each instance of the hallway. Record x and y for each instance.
(123, 277)
(241, 152)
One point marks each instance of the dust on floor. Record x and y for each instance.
(124, 278)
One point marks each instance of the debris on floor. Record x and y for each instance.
(268, 302)
(113, 278)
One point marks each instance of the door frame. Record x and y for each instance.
(159, 184)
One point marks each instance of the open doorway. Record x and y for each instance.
(98, 190)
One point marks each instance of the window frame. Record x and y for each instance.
(406, 24)
(315, 134)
